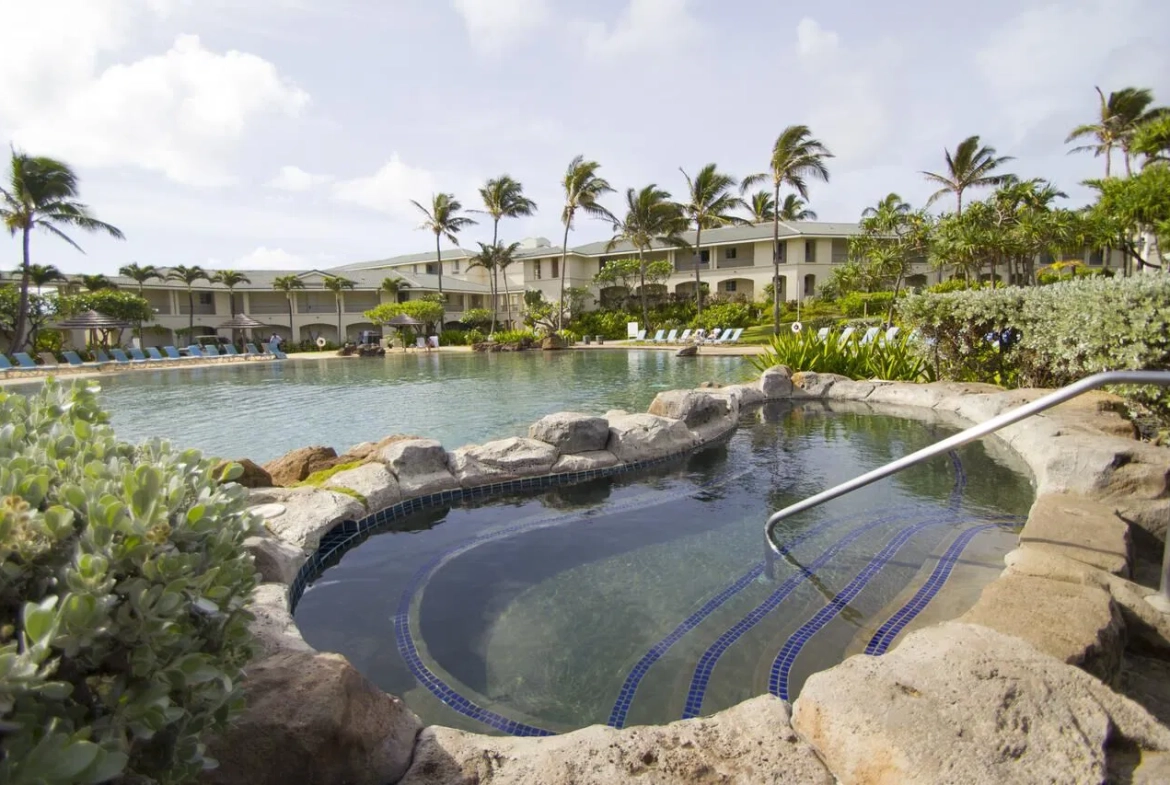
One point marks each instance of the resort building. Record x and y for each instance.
(735, 262)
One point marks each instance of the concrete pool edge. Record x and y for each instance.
(1086, 469)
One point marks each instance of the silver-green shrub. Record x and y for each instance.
(1049, 335)
(123, 581)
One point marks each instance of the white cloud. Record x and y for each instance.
(390, 189)
(494, 26)
(264, 258)
(813, 41)
(645, 26)
(180, 113)
(293, 178)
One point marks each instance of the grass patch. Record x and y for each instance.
(318, 480)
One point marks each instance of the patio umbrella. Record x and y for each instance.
(92, 320)
(402, 320)
(240, 321)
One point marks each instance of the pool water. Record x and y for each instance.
(263, 410)
(646, 598)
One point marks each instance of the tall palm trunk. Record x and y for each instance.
(698, 265)
(190, 314)
(776, 263)
(642, 276)
(1108, 160)
(495, 277)
(564, 255)
(959, 201)
(439, 262)
(22, 308)
(292, 331)
(340, 337)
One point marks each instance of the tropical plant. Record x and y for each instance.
(1151, 139)
(1126, 209)
(429, 312)
(41, 275)
(970, 166)
(124, 306)
(140, 274)
(338, 284)
(41, 193)
(97, 282)
(494, 258)
(761, 206)
(805, 351)
(393, 285)
(288, 284)
(41, 311)
(583, 189)
(188, 276)
(444, 220)
(503, 197)
(651, 217)
(893, 237)
(726, 315)
(708, 206)
(796, 157)
(793, 208)
(1120, 116)
(231, 279)
(124, 598)
(479, 317)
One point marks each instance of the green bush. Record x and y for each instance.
(860, 305)
(895, 360)
(472, 337)
(453, 337)
(477, 317)
(726, 315)
(514, 336)
(123, 580)
(1049, 335)
(1064, 271)
(959, 285)
(608, 324)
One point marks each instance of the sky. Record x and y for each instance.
(294, 133)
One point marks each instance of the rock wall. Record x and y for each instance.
(1017, 691)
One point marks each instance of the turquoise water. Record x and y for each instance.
(562, 608)
(262, 410)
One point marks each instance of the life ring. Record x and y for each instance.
(797, 327)
(321, 342)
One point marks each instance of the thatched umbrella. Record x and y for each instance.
(92, 320)
(240, 321)
(402, 320)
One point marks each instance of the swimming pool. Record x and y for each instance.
(262, 410)
(646, 597)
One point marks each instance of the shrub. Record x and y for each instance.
(726, 315)
(122, 591)
(453, 337)
(960, 285)
(472, 337)
(477, 317)
(895, 360)
(860, 305)
(1049, 335)
(608, 324)
(514, 336)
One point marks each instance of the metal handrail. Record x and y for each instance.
(1089, 383)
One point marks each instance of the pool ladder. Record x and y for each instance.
(1161, 378)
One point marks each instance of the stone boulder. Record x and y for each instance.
(570, 432)
(501, 460)
(373, 481)
(807, 384)
(313, 719)
(708, 414)
(254, 475)
(776, 383)
(585, 461)
(746, 394)
(643, 437)
(1080, 529)
(749, 743)
(291, 468)
(308, 513)
(552, 343)
(420, 466)
(368, 451)
(273, 629)
(276, 560)
(960, 703)
(688, 351)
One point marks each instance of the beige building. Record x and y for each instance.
(735, 261)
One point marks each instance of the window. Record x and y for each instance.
(205, 298)
(729, 286)
(840, 251)
(1097, 257)
(555, 264)
(810, 251)
(781, 282)
(430, 268)
(810, 285)
(705, 255)
(536, 269)
(730, 253)
(455, 266)
(783, 248)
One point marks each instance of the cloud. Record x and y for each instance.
(645, 26)
(813, 41)
(293, 178)
(264, 258)
(496, 26)
(389, 190)
(180, 113)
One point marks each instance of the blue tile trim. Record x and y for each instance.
(893, 626)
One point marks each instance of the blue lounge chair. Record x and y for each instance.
(153, 355)
(6, 365)
(194, 351)
(172, 353)
(250, 350)
(137, 356)
(276, 352)
(120, 357)
(101, 358)
(26, 363)
(74, 359)
(211, 351)
(230, 350)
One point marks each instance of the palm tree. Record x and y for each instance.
(709, 206)
(888, 213)
(231, 279)
(444, 220)
(287, 284)
(793, 208)
(495, 258)
(761, 206)
(338, 284)
(42, 194)
(502, 197)
(971, 166)
(41, 275)
(1121, 114)
(188, 276)
(651, 217)
(393, 286)
(97, 282)
(141, 274)
(583, 190)
(796, 156)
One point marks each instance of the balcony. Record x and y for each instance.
(267, 307)
(201, 309)
(731, 264)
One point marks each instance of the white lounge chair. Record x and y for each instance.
(420, 342)
(733, 336)
(870, 335)
(714, 336)
(685, 336)
(660, 336)
(699, 335)
(641, 335)
(892, 333)
(672, 337)
(847, 333)
(822, 333)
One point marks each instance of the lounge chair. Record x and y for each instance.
(892, 333)
(137, 356)
(101, 358)
(847, 333)
(120, 357)
(25, 362)
(74, 360)
(6, 365)
(173, 354)
(251, 351)
(278, 354)
(699, 335)
(870, 335)
(420, 342)
(685, 336)
(660, 336)
(732, 336)
(152, 354)
(230, 350)
(194, 351)
(672, 336)
(641, 335)
(48, 359)
(211, 351)
(822, 333)
(714, 336)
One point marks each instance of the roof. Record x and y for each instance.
(262, 280)
(735, 234)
